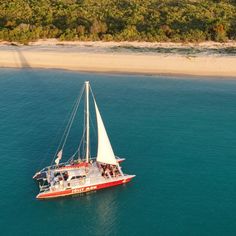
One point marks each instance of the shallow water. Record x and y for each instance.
(178, 135)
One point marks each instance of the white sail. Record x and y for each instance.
(105, 152)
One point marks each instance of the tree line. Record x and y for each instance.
(118, 20)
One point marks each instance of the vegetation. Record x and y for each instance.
(118, 20)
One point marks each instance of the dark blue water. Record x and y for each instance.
(178, 135)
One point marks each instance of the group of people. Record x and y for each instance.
(109, 171)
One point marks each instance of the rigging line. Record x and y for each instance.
(72, 114)
(62, 138)
(81, 141)
(55, 137)
(92, 94)
(77, 151)
(53, 141)
(71, 123)
(95, 131)
(91, 121)
(94, 104)
(96, 115)
(68, 126)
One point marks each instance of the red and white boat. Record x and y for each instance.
(79, 175)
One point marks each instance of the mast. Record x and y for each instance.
(87, 120)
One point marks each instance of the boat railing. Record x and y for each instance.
(44, 188)
(53, 167)
(69, 162)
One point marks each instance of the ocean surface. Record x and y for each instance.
(178, 135)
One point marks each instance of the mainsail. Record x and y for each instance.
(105, 152)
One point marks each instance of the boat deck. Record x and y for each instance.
(83, 180)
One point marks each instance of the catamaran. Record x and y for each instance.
(81, 174)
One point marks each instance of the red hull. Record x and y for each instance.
(69, 192)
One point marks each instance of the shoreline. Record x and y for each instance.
(99, 57)
(53, 42)
(116, 73)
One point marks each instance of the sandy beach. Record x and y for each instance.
(108, 57)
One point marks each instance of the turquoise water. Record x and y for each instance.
(178, 135)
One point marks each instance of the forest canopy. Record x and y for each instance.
(118, 20)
